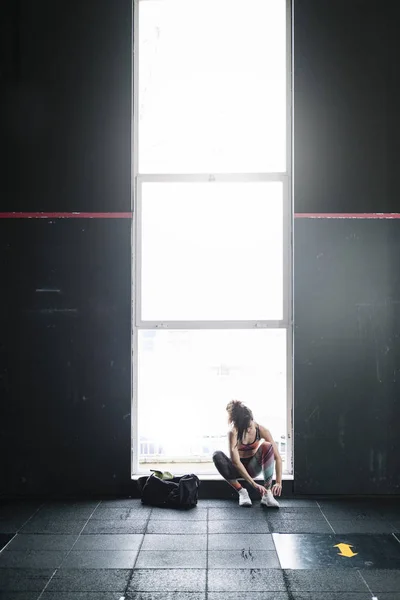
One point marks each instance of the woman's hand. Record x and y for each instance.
(277, 489)
(260, 488)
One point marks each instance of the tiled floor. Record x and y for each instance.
(110, 550)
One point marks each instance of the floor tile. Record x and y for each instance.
(4, 539)
(307, 512)
(165, 559)
(383, 580)
(177, 527)
(300, 526)
(109, 542)
(355, 516)
(315, 551)
(20, 511)
(123, 503)
(167, 514)
(125, 527)
(240, 513)
(233, 541)
(163, 580)
(388, 596)
(121, 513)
(166, 596)
(100, 559)
(24, 580)
(243, 580)
(238, 526)
(367, 526)
(392, 513)
(352, 512)
(42, 542)
(81, 596)
(209, 503)
(60, 526)
(19, 595)
(174, 542)
(75, 511)
(31, 559)
(284, 515)
(90, 580)
(249, 595)
(296, 503)
(331, 596)
(11, 526)
(355, 504)
(243, 559)
(324, 580)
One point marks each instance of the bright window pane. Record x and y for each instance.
(186, 379)
(212, 251)
(212, 86)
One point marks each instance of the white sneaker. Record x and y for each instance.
(269, 500)
(244, 498)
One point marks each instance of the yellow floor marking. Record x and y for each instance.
(346, 550)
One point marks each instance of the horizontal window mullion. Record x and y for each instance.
(211, 177)
(213, 324)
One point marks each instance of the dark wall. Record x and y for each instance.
(347, 356)
(65, 318)
(65, 352)
(346, 99)
(66, 105)
(346, 272)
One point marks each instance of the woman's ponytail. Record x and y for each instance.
(240, 416)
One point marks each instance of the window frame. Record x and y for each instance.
(287, 181)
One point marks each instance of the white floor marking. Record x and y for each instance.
(369, 589)
(322, 513)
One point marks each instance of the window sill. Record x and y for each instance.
(208, 477)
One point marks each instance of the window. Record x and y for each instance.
(232, 264)
(212, 209)
(212, 86)
(186, 376)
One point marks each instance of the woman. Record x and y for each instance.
(252, 451)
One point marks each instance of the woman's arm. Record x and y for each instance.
(235, 458)
(277, 488)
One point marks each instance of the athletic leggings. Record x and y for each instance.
(262, 461)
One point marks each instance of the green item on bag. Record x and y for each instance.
(162, 475)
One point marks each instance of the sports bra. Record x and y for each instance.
(253, 446)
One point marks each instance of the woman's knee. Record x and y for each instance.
(266, 448)
(218, 456)
(266, 445)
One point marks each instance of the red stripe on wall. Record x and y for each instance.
(66, 215)
(347, 216)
